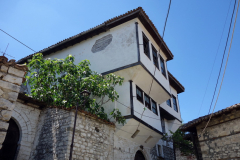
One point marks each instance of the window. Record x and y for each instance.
(154, 107)
(139, 94)
(175, 103)
(147, 101)
(169, 102)
(146, 45)
(163, 125)
(163, 69)
(155, 57)
(159, 150)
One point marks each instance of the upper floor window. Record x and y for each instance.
(163, 69)
(175, 103)
(147, 101)
(139, 94)
(159, 150)
(169, 102)
(154, 107)
(146, 46)
(163, 125)
(155, 57)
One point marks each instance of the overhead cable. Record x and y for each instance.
(224, 70)
(222, 58)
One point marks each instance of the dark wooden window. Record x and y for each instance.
(139, 94)
(147, 101)
(163, 125)
(175, 103)
(146, 46)
(155, 57)
(154, 107)
(163, 69)
(169, 102)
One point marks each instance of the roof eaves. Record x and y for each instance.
(138, 11)
(195, 122)
(175, 83)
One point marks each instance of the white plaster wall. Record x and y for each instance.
(149, 62)
(171, 109)
(125, 149)
(120, 52)
(154, 121)
(26, 116)
(124, 98)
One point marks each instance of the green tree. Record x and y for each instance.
(185, 146)
(59, 82)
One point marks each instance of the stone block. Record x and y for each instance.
(1, 92)
(2, 74)
(16, 72)
(12, 79)
(2, 136)
(4, 125)
(4, 68)
(6, 104)
(10, 86)
(12, 96)
(5, 115)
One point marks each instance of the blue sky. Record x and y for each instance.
(192, 33)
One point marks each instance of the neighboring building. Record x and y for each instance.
(221, 139)
(128, 46)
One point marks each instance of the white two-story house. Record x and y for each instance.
(130, 46)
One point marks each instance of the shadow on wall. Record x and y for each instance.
(53, 138)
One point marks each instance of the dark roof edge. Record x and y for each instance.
(136, 13)
(175, 83)
(195, 122)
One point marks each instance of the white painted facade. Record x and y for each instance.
(120, 53)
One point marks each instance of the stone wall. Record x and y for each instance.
(179, 156)
(94, 139)
(11, 77)
(221, 140)
(26, 116)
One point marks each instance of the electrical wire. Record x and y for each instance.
(222, 58)
(17, 40)
(224, 69)
(145, 115)
(160, 44)
(215, 58)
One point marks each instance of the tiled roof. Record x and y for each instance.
(138, 12)
(197, 121)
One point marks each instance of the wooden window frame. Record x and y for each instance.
(138, 97)
(163, 70)
(155, 57)
(170, 105)
(147, 47)
(175, 106)
(149, 105)
(153, 102)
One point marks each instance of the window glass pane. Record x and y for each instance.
(169, 102)
(163, 125)
(147, 101)
(154, 107)
(175, 103)
(155, 59)
(139, 94)
(163, 70)
(146, 45)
